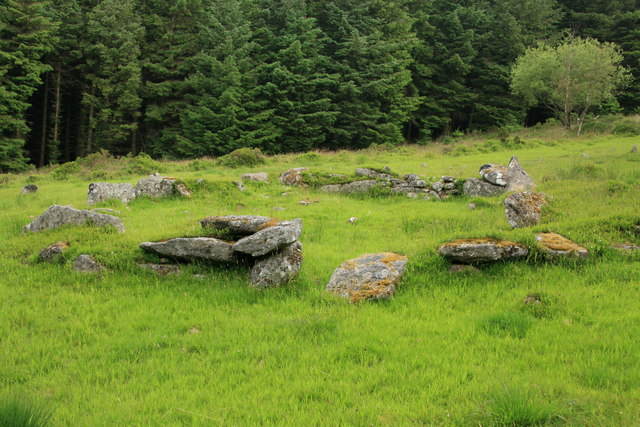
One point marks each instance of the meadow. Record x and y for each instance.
(129, 347)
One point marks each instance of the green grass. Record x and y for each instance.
(120, 348)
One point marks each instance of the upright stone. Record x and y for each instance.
(101, 191)
(368, 277)
(495, 174)
(518, 179)
(56, 216)
(524, 209)
(277, 268)
(155, 186)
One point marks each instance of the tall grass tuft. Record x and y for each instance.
(17, 411)
(511, 324)
(516, 407)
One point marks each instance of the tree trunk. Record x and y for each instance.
(134, 136)
(90, 129)
(55, 137)
(45, 114)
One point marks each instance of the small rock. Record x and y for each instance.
(56, 216)
(182, 190)
(238, 225)
(368, 277)
(524, 209)
(424, 165)
(29, 189)
(360, 187)
(278, 208)
(585, 155)
(257, 176)
(199, 181)
(278, 268)
(448, 186)
(437, 186)
(627, 247)
(293, 177)
(472, 251)
(199, 276)
(352, 220)
(448, 178)
(162, 269)
(52, 252)
(557, 246)
(240, 186)
(471, 206)
(634, 149)
(304, 202)
(373, 174)
(412, 195)
(86, 264)
(192, 249)
(101, 191)
(270, 239)
(194, 331)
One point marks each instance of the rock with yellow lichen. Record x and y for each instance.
(557, 246)
(368, 277)
(270, 239)
(238, 225)
(524, 209)
(474, 251)
(278, 268)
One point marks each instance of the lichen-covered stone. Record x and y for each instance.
(53, 251)
(155, 186)
(373, 174)
(86, 264)
(471, 251)
(270, 239)
(361, 187)
(192, 249)
(524, 209)
(293, 177)
(494, 174)
(56, 216)
(257, 176)
(518, 179)
(238, 225)
(474, 187)
(557, 246)
(277, 268)
(101, 191)
(368, 277)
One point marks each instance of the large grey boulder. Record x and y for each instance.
(56, 216)
(473, 187)
(494, 174)
(518, 179)
(557, 246)
(277, 268)
(257, 176)
(101, 191)
(293, 177)
(155, 186)
(523, 209)
(471, 251)
(270, 239)
(53, 251)
(192, 249)
(238, 225)
(368, 277)
(86, 264)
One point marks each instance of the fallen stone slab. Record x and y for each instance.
(524, 209)
(277, 268)
(56, 216)
(29, 189)
(257, 176)
(472, 251)
(474, 187)
(101, 191)
(162, 269)
(155, 186)
(238, 225)
(557, 246)
(293, 177)
(368, 277)
(270, 239)
(86, 264)
(53, 251)
(192, 249)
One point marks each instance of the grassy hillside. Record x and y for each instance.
(129, 347)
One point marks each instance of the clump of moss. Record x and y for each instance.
(242, 157)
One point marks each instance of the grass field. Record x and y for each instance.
(132, 348)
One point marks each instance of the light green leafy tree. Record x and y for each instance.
(570, 78)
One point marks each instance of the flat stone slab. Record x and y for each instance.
(474, 187)
(277, 268)
(270, 239)
(192, 249)
(368, 277)
(495, 174)
(256, 176)
(56, 216)
(53, 251)
(155, 186)
(524, 209)
(101, 191)
(472, 251)
(238, 225)
(557, 246)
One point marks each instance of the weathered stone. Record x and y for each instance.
(270, 239)
(634, 149)
(471, 251)
(240, 186)
(155, 186)
(361, 187)
(257, 176)
(101, 191)
(293, 177)
(192, 249)
(277, 268)
(52, 252)
(238, 225)
(448, 178)
(437, 186)
(373, 174)
(331, 188)
(28, 189)
(557, 246)
(518, 179)
(418, 183)
(182, 190)
(627, 247)
(368, 277)
(494, 174)
(162, 269)
(86, 264)
(56, 216)
(410, 177)
(524, 209)
(473, 187)
(448, 186)
(471, 206)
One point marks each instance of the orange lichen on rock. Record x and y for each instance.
(379, 289)
(270, 223)
(556, 242)
(496, 242)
